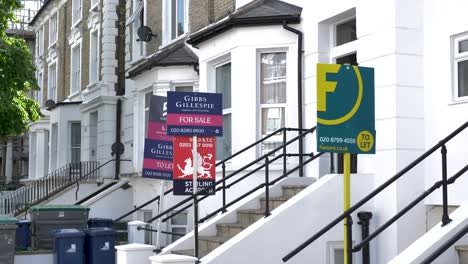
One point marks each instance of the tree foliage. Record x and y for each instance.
(17, 77)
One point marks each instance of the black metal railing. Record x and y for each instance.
(262, 162)
(42, 189)
(222, 163)
(347, 214)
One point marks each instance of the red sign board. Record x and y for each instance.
(183, 164)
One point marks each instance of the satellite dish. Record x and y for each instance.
(145, 34)
(50, 104)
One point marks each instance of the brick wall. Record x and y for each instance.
(154, 21)
(199, 12)
(222, 8)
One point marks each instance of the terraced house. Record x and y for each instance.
(277, 198)
(77, 47)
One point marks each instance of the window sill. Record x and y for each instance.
(53, 45)
(73, 96)
(460, 100)
(76, 24)
(173, 41)
(94, 7)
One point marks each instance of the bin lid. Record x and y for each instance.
(7, 220)
(24, 222)
(59, 208)
(68, 233)
(100, 220)
(100, 231)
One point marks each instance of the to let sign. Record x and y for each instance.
(345, 109)
(183, 165)
(157, 162)
(194, 114)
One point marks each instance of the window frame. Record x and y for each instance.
(167, 22)
(72, 72)
(458, 57)
(225, 111)
(77, 20)
(71, 146)
(278, 138)
(171, 226)
(40, 83)
(95, 71)
(40, 43)
(49, 79)
(54, 37)
(136, 8)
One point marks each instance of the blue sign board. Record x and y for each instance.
(194, 114)
(157, 158)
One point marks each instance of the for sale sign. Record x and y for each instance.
(194, 114)
(183, 164)
(157, 162)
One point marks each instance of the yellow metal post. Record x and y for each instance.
(347, 199)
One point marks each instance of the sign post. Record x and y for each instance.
(199, 116)
(345, 123)
(157, 162)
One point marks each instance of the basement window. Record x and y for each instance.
(178, 225)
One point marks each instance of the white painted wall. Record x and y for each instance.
(111, 203)
(63, 115)
(69, 195)
(441, 23)
(390, 40)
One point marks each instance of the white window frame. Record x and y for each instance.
(50, 95)
(171, 226)
(40, 42)
(458, 57)
(94, 70)
(72, 72)
(40, 83)
(344, 49)
(279, 137)
(227, 111)
(53, 29)
(137, 48)
(72, 147)
(331, 247)
(77, 12)
(167, 22)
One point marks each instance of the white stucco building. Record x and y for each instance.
(262, 56)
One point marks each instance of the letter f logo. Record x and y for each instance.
(324, 86)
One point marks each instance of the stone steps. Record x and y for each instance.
(245, 218)
(462, 253)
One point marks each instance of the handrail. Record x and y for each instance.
(224, 179)
(347, 213)
(434, 255)
(222, 162)
(43, 188)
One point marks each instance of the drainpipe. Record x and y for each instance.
(299, 92)
(118, 147)
(364, 218)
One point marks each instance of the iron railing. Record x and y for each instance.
(42, 189)
(222, 163)
(347, 214)
(262, 162)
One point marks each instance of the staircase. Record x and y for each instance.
(42, 189)
(245, 217)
